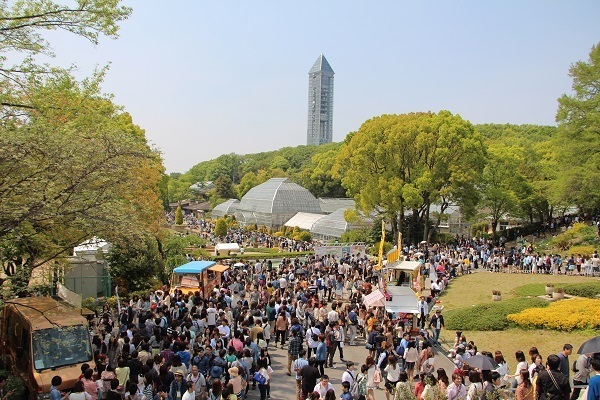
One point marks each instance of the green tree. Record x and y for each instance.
(135, 262)
(318, 175)
(221, 227)
(178, 216)
(21, 27)
(502, 185)
(578, 142)
(405, 162)
(73, 172)
(280, 162)
(248, 181)
(174, 248)
(224, 187)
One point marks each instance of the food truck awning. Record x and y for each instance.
(373, 298)
(404, 300)
(404, 265)
(219, 268)
(193, 267)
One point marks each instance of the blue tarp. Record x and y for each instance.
(193, 267)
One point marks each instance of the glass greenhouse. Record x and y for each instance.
(228, 207)
(332, 226)
(274, 202)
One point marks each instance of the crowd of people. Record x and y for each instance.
(169, 345)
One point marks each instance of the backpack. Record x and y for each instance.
(259, 378)
(574, 368)
(329, 339)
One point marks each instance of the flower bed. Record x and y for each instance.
(561, 315)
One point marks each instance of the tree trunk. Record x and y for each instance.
(426, 222)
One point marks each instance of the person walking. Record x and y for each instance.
(437, 323)
(298, 364)
(563, 356)
(294, 348)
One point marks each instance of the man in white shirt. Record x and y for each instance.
(423, 308)
(211, 316)
(224, 331)
(323, 387)
(310, 342)
(348, 375)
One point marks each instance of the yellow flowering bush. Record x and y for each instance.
(565, 315)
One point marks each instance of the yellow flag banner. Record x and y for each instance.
(380, 261)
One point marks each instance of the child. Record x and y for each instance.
(346, 395)
(361, 381)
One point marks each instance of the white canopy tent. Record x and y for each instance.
(226, 248)
(404, 300)
(304, 220)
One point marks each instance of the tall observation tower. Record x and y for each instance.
(320, 103)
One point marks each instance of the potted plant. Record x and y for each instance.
(496, 295)
(559, 293)
(549, 289)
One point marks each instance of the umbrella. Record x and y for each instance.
(424, 242)
(481, 362)
(591, 346)
(239, 264)
(418, 254)
(236, 287)
(300, 271)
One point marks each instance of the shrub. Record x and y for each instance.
(489, 316)
(561, 315)
(303, 236)
(89, 303)
(178, 216)
(496, 293)
(15, 385)
(549, 284)
(585, 250)
(587, 289)
(559, 290)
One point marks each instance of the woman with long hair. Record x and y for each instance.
(372, 368)
(443, 381)
(502, 365)
(392, 376)
(475, 386)
(411, 356)
(521, 365)
(525, 390)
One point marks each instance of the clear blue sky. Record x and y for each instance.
(204, 78)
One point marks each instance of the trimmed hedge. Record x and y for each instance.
(591, 290)
(489, 316)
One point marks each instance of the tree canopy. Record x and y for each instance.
(578, 143)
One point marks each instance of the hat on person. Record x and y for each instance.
(233, 372)
(178, 372)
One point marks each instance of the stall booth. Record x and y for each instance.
(402, 286)
(197, 276)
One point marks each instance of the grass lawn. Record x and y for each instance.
(475, 289)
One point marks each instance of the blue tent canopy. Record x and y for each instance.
(194, 267)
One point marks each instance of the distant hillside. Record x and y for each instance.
(301, 164)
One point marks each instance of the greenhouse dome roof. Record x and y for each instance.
(228, 207)
(279, 195)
